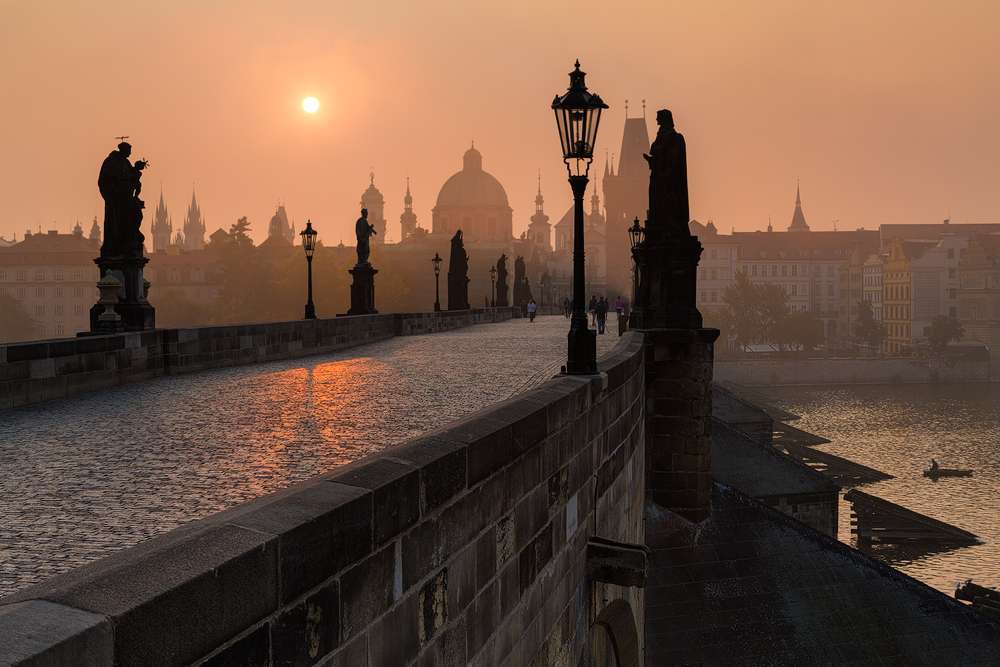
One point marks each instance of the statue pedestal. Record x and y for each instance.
(135, 311)
(363, 290)
(666, 288)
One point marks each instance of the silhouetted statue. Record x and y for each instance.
(668, 192)
(522, 290)
(122, 259)
(666, 277)
(502, 289)
(458, 274)
(120, 185)
(364, 231)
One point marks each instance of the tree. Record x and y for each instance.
(239, 233)
(15, 325)
(771, 303)
(742, 317)
(802, 329)
(867, 330)
(942, 331)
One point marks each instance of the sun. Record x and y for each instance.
(310, 105)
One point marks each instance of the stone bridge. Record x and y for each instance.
(581, 522)
(504, 537)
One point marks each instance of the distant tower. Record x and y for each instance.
(798, 219)
(194, 226)
(95, 231)
(540, 231)
(163, 227)
(78, 230)
(408, 219)
(626, 197)
(373, 200)
(280, 228)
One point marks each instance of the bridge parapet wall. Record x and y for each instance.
(464, 546)
(42, 370)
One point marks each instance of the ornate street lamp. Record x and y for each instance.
(636, 235)
(493, 287)
(578, 114)
(437, 282)
(309, 245)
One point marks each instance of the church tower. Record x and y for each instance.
(798, 218)
(95, 231)
(626, 196)
(408, 219)
(162, 228)
(540, 231)
(373, 200)
(194, 226)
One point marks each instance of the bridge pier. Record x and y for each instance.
(679, 420)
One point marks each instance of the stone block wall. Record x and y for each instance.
(464, 546)
(38, 371)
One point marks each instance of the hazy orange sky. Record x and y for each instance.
(886, 111)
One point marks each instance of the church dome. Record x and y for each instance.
(472, 187)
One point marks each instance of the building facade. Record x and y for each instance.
(53, 277)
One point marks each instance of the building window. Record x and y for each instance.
(59, 274)
(21, 275)
(59, 292)
(795, 269)
(951, 293)
(39, 275)
(78, 309)
(39, 309)
(951, 273)
(952, 311)
(39, 291)
(58, 309)
(753, 269)
(78, 291)
(3, 275)
(20, 292)
(78, 275)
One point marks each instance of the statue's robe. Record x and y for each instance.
(669, 211)
(117, 183)
(363, 231)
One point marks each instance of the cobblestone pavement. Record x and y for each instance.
(83, 477)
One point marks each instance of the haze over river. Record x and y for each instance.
(898, 429)
(86, 476)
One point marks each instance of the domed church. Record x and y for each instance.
(474, 201)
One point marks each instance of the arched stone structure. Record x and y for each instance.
(614, 637)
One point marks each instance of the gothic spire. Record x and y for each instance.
(798, 218)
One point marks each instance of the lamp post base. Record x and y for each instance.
(310, 311)
(582, 348)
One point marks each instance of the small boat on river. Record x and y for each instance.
(934, 473)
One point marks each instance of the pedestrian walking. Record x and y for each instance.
(567, 308)
(532, 309)
(601, 310)
(592, 309)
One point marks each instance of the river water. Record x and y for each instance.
(898, 429)
(86, 476)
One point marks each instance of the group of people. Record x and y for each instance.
(598, 309)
